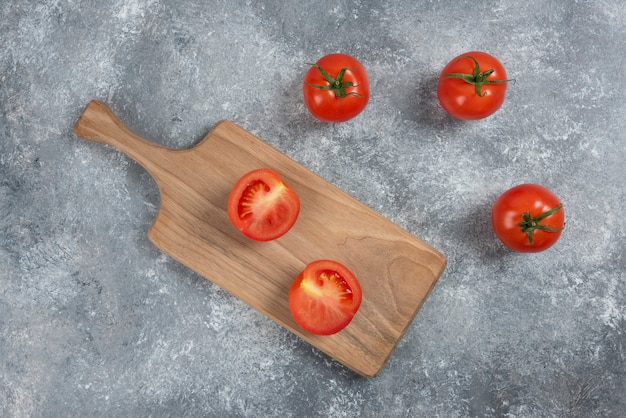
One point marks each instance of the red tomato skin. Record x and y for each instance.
(459, 98)
(324, 104)
(507, 214)
(321, 311)
(283, 206)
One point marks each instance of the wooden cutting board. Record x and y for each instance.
(396, 270)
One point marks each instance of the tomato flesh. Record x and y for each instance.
(460, 98)
(324, 297)
(262, 206)
(336, 105)
(507, 217)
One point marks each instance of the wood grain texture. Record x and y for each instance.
(396, 270)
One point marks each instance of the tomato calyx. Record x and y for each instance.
(530, 224)
(477, 78)
(336, 84)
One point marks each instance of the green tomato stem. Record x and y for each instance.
(530, 224)
(336, 84)
(477, 78)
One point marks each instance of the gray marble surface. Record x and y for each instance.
(96, 321)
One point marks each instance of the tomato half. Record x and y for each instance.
(262, 206)
(324, 298)
(336, 88)
(472, 86)
(528, 218)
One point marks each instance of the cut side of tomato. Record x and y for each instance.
(324, 297)
(262, 206)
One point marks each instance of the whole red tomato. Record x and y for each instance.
(336, 88)
(472, 86)
(528, 218)
(262, 206)
(324, 297)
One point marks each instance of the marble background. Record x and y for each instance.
(95, 321)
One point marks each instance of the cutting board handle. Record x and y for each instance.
(99, 124)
